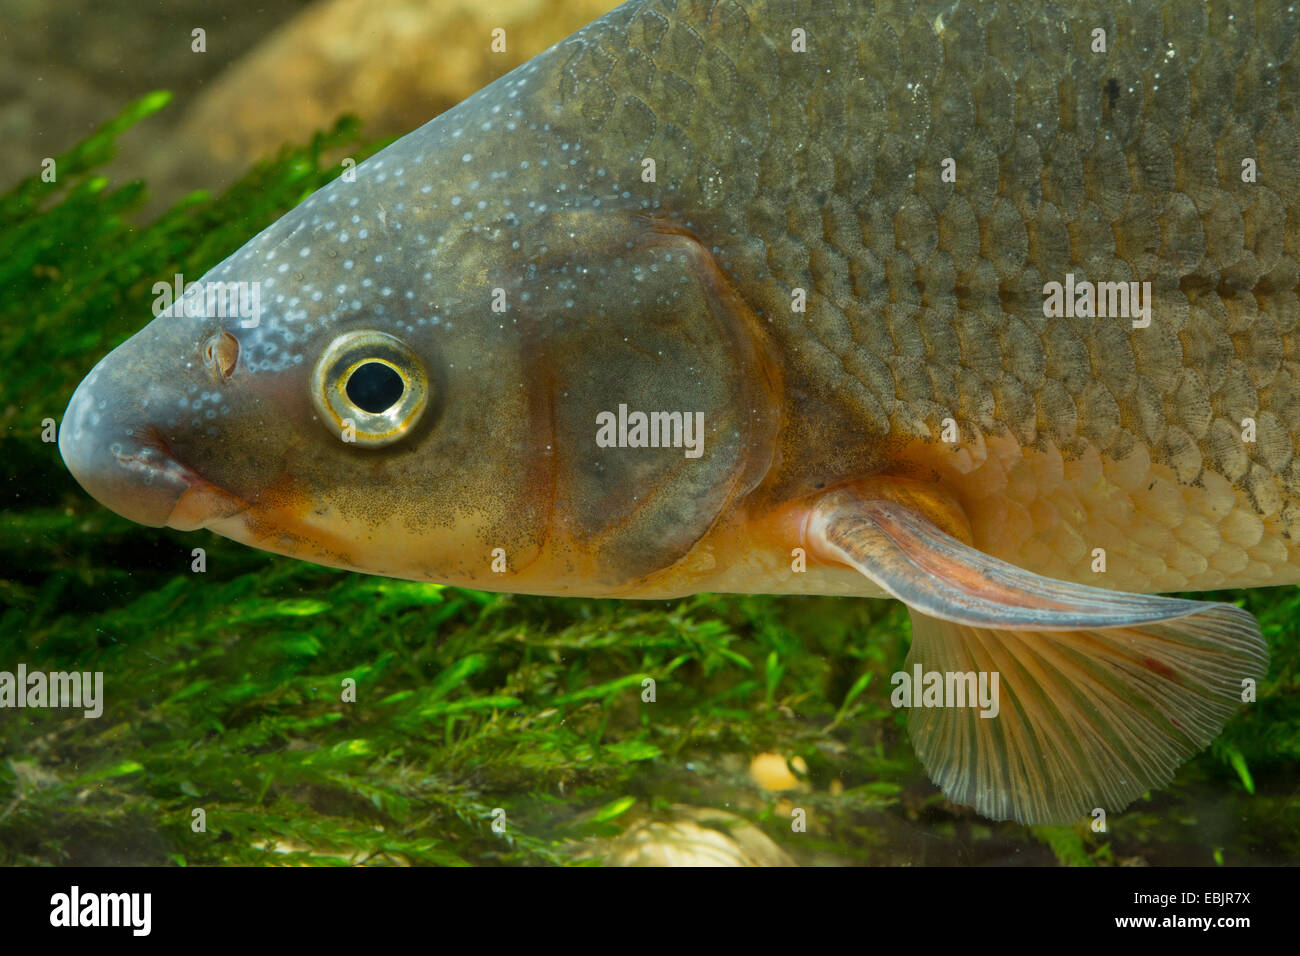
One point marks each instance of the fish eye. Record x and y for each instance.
(372, 381)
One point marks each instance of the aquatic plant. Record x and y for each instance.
(485, 729)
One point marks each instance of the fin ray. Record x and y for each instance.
(1104, 694)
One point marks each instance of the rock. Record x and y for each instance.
(772, 772)
(395, 63)
(688, 836)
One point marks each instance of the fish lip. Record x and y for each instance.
(198, 502)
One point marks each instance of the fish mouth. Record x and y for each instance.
(153, 487)
(199, 501)
(130, 469)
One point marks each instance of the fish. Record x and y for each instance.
(834, 241)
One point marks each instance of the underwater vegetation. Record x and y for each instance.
(485, 728)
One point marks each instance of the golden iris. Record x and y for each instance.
(371, 381)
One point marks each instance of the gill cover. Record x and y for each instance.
(660, 330)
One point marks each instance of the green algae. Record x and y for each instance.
(313, 716)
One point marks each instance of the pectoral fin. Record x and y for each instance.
(1102, 693)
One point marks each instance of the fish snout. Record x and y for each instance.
(120, 460)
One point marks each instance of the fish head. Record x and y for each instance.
(458, 365)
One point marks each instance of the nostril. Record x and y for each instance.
(221, 353)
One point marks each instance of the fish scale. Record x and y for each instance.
(1116, 166)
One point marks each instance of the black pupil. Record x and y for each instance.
(374, 387)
